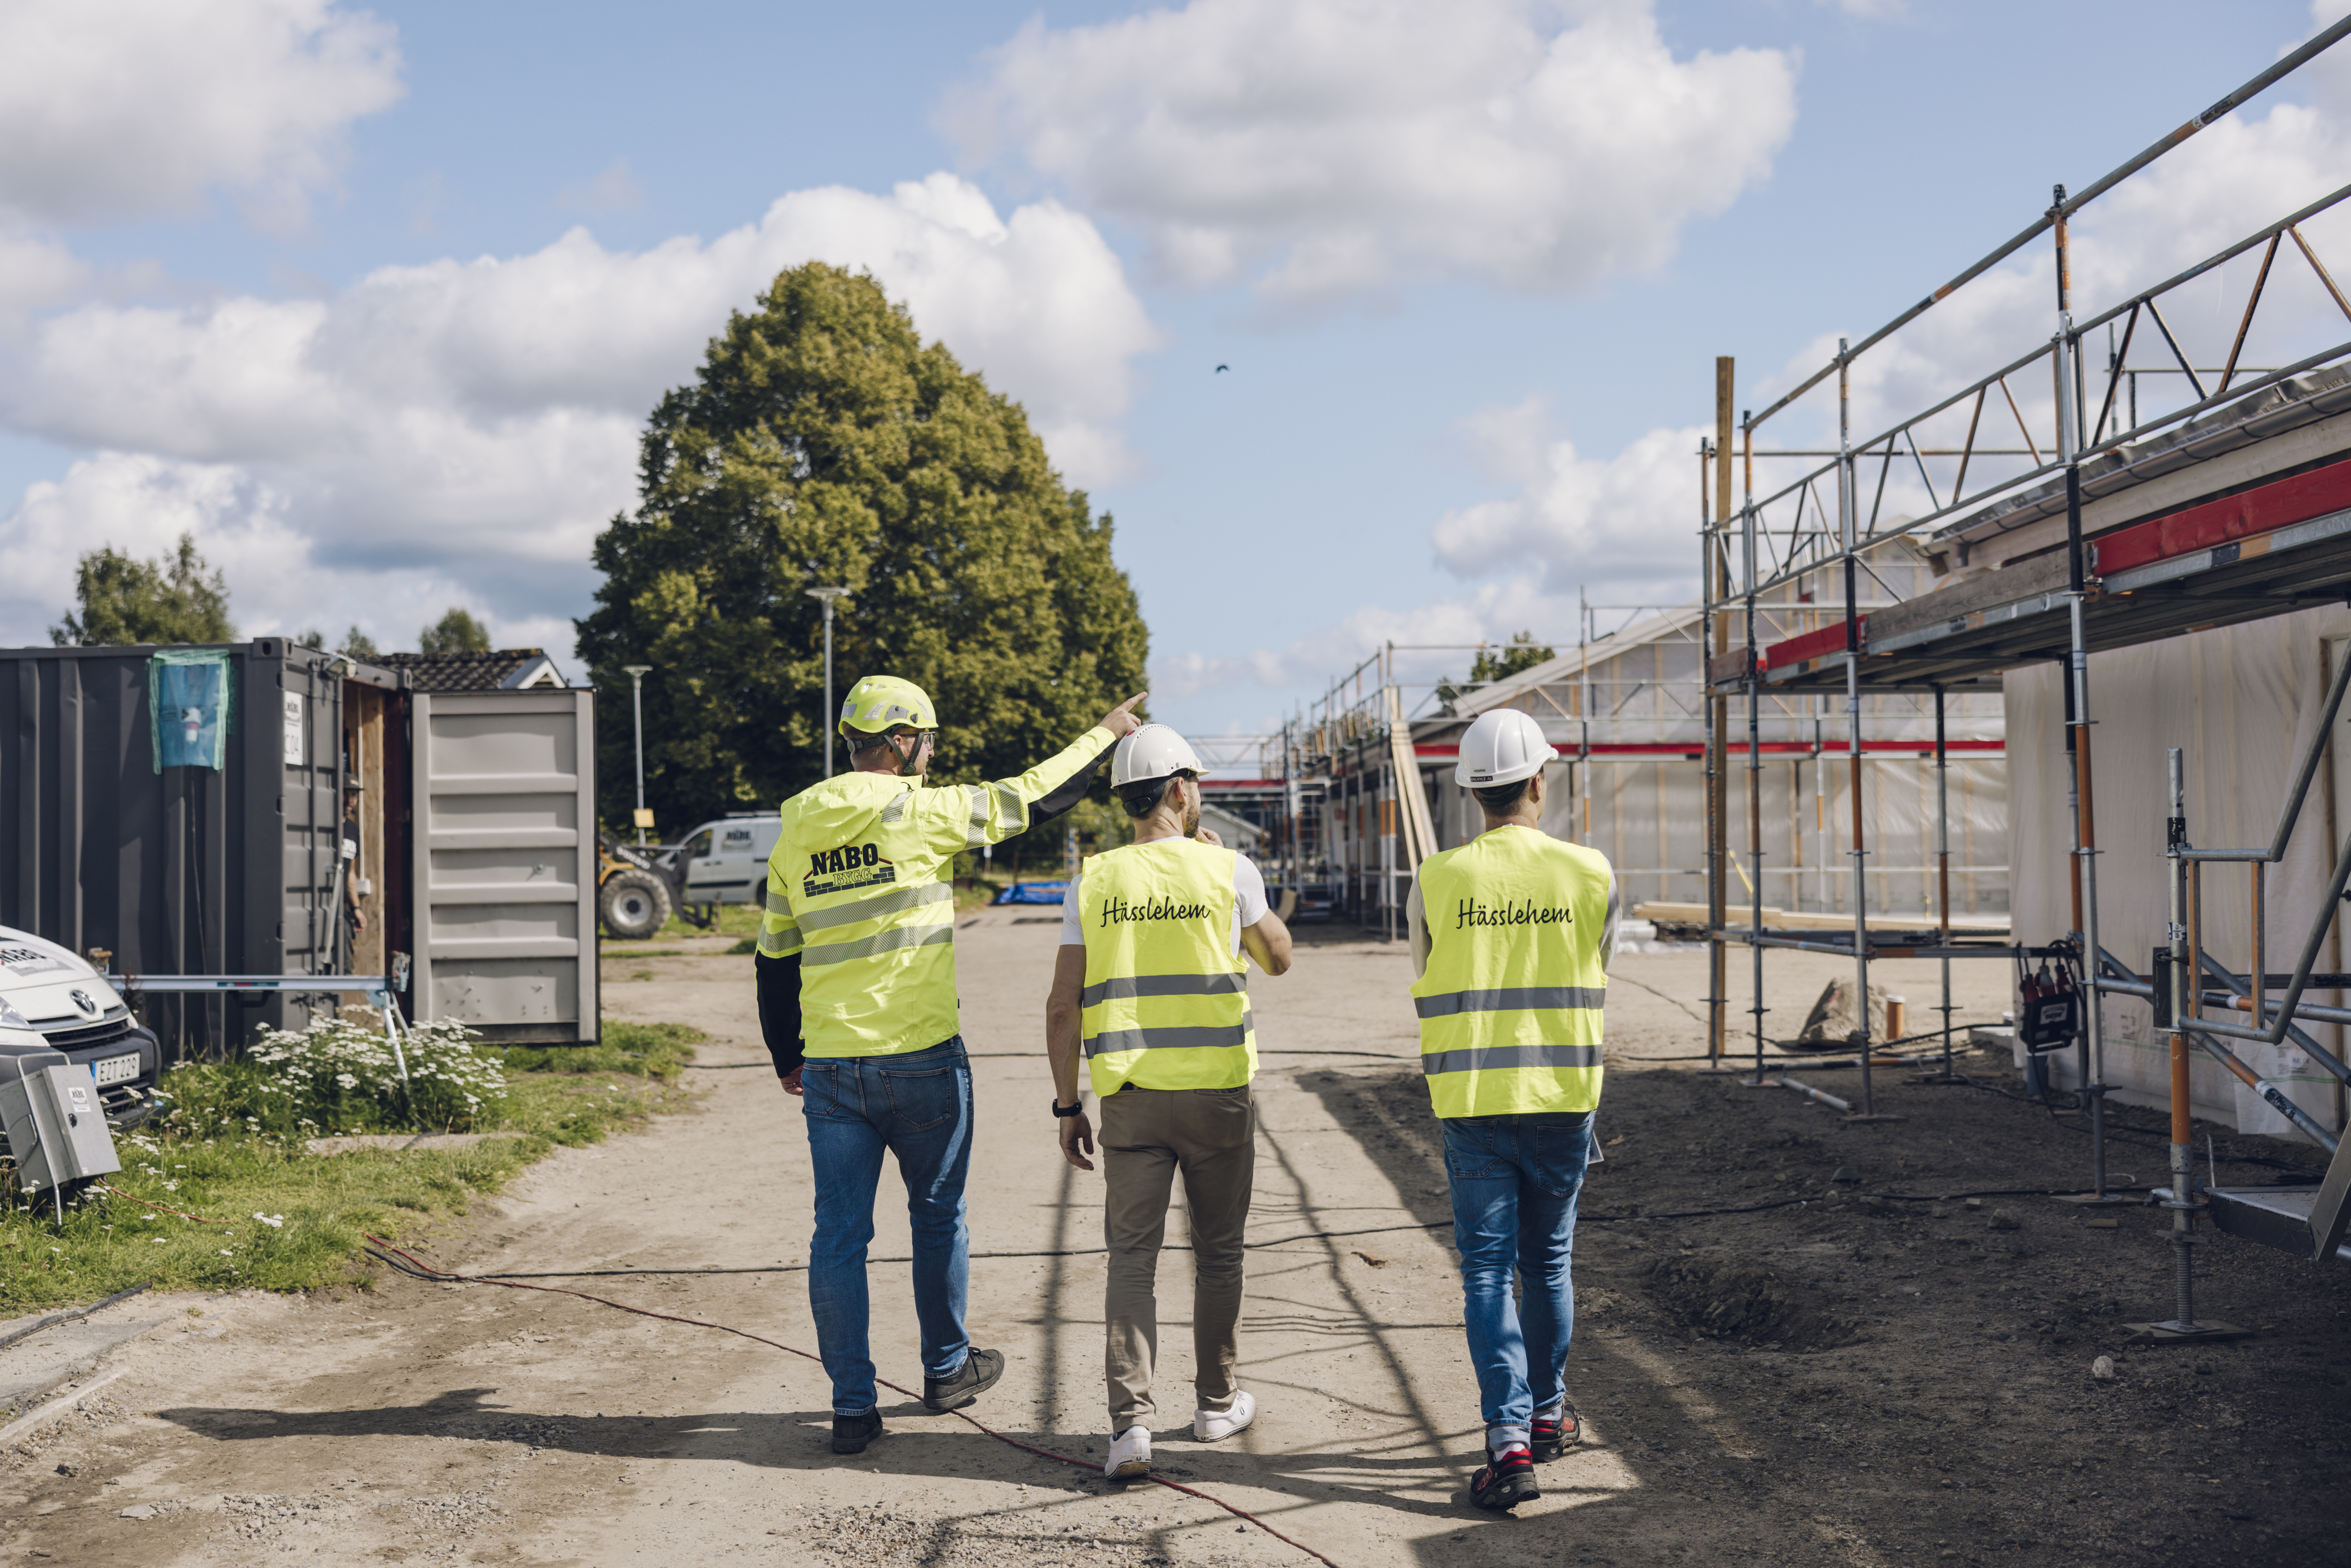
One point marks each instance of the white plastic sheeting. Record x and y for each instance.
(1638, 698)
(2241, 702)
(1647, 815)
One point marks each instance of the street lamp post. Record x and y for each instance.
(637, 673)
(828, 595)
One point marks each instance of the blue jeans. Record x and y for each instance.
(918, 1108)
(1515, 1181)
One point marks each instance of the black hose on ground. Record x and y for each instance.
(416, 1268)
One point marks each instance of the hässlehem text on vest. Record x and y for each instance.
(1118, 910)
(1470, 913)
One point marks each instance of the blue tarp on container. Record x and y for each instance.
(1032, 892)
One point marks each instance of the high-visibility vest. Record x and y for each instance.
(1509, 1008)
(1165, 1004)
(854, 892)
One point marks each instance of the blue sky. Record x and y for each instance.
(1467, 360)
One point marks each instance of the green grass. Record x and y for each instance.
(611, 953)
(556, 1095)
(734, 920)
(658, 1050)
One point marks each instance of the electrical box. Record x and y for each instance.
(56, 1127)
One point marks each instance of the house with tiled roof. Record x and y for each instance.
(504, 670)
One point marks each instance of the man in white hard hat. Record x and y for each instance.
(1150, 978)
(1510, 934)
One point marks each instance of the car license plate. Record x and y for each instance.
(115, 1069)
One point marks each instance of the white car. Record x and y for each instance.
(51, 997)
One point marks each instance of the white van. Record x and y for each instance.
(51, 998)
(725, 862)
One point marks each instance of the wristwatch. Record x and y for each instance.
(1077, 1109)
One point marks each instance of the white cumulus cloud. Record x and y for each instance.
(1324, 147)
(476, 422)
(113, 109)
(141, 503)
(1628, 519)
(1627, 523)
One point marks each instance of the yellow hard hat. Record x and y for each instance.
(879, 703)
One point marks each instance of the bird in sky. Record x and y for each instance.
(1222, 369)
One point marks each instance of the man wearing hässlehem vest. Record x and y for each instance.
(1510, 934)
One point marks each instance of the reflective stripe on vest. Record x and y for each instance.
(1166, 1003)
(1511, 1006)
(780, 934)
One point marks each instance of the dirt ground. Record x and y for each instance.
(1853, 1379)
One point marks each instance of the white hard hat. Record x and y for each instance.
(1152, 751)
(1502, 745)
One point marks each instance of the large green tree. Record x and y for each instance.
(823, 444)
(122, 600)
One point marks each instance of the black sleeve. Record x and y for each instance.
(779, 1009)
(1067, 793)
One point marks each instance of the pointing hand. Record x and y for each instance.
(1121, 720)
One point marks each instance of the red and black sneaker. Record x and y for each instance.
(1548, 1438)
(1507, 1482)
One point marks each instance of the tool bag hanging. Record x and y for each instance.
(2049, 1005)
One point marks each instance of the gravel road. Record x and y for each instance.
(1829, 1383)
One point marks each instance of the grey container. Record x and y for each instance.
(473, 813)
(188, 870)
(503, 861)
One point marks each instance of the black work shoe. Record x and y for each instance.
(1548, 1438)
(976, 1377)
(1507, 1482)
(852, 1433)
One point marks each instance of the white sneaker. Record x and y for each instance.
(1210, 1425)
(1130, 1455)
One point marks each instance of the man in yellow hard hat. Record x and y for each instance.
(857, 1001)
(1150, 976)
(1510, 934)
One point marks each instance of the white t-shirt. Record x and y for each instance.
(1249, 903)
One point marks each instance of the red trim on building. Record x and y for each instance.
(2262, 509)
(2256, 511)
(1738, 748)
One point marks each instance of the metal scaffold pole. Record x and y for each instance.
(2177, 986)
(1943, 869)
(1754, 749)
(2090, 1054)
(1849, 529)
(2184, 985)
(1725, 385)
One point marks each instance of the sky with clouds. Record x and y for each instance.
(375, 301)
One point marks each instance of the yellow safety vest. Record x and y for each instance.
(1165, 1004)
(1510, 1009)
(854, 890)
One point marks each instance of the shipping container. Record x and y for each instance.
(200, 834)
(504, 861)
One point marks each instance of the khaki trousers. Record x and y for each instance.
(1147, 1135)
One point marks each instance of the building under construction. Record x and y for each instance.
(2141, 530)
(1627, 712)
(1995, 682)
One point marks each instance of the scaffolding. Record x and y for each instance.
(1987, 463)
